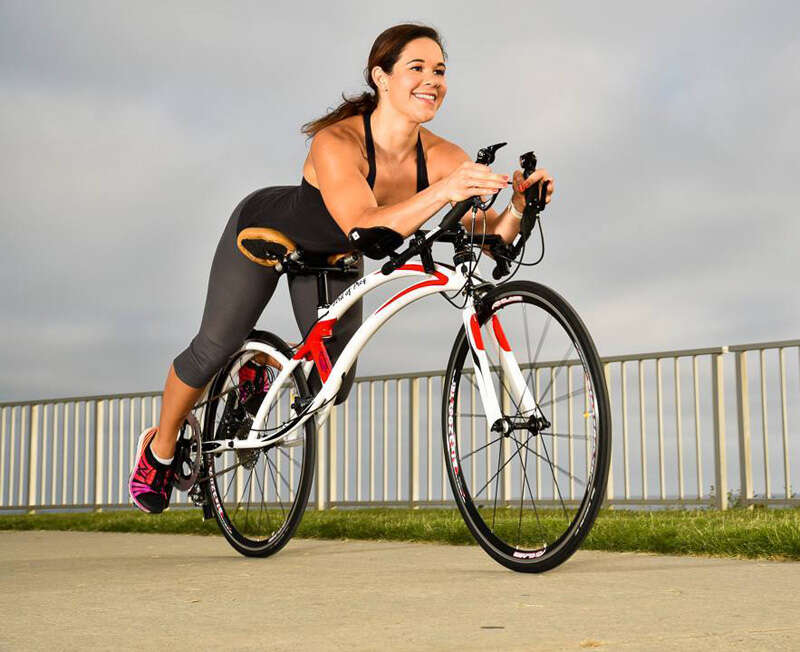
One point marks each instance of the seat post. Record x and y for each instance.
(323, 298)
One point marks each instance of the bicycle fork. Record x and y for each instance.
(512, 383)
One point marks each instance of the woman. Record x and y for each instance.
(370, 164)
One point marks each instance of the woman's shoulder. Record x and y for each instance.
(347, 130)
(441, 155)
(345, 139)
(342, 136)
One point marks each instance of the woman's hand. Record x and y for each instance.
(520, 184)
(471, 179)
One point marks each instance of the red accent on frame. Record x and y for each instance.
(476, 332)
(314, 349)
(499, 334)
(440, 279)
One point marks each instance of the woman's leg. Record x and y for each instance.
(177, 399)
(238, 290)
(303, 290)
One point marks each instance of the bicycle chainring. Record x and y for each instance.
(188, 457)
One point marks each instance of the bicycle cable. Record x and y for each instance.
(474, 265)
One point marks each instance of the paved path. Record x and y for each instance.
(74, 590)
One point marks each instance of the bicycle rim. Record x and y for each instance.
(258, 495)
(529, 496)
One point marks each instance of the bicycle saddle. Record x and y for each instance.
(269, 247)
(264, 246)
(375, 242)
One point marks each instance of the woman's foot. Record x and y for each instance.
(150, 482)
(255, 378)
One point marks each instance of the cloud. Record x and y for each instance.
(127, 136)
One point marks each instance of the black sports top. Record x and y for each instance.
(300, 213)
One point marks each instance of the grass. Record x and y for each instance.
(757, 533)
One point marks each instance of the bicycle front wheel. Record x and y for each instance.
(258, 495)
(529, 488)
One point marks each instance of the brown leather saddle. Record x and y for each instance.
(270, 248)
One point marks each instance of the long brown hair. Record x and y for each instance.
(384, 53)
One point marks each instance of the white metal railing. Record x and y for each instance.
(383, 445)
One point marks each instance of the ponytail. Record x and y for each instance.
(363, 103)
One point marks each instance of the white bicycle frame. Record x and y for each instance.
(312, 351)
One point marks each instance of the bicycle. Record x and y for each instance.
(517, 412)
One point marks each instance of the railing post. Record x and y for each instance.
(743, 417)
(610, 483)
(718, 393)
(333, 462)
(3, 467)
(33, 459)
(322, 464)
(99, 426)
(413, 443)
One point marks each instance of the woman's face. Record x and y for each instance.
(416, 85)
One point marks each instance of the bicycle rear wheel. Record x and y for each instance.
(529, 493)
(257, 495)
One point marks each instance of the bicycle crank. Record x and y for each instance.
(188, 456)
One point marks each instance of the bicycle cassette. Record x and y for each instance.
(188, 458)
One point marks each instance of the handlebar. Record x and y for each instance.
(422, 241)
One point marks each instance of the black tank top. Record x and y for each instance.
(300, 213)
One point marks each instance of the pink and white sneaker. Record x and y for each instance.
(254, 383)
(150, 482)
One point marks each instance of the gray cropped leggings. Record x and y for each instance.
(238, 291)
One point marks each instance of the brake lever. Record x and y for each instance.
(486, 154)
(533, 206)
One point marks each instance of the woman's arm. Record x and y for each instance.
(351, 202)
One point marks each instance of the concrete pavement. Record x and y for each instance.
(76, 590)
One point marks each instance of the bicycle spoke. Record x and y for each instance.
(497, 475)
(560, 366)
(541, 339)
(478, 450)
(568, 395)
(538, 346)
(489, 481)
(555, 482)
(233, 477)
(247, 503)
(289, 457)
(280, 475)
(521, 495)
(564, 435)
(557, 399)
(530, 493)
(556, 466)
(263, 507)
(239, 503)
(275, 484)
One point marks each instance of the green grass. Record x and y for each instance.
(757, 533)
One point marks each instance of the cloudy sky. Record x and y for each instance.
(129, 131)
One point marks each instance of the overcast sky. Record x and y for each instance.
(129, 131)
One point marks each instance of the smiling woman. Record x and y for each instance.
(371, 163)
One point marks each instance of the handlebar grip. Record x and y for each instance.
(456, 213)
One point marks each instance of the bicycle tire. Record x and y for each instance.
(234, 533)
(535, 557)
